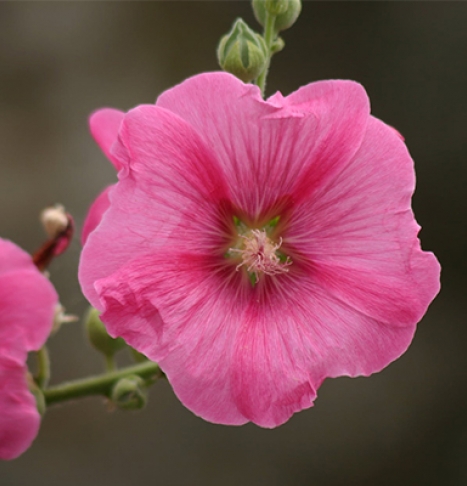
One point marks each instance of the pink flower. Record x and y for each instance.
(254, 248)
(27, 303)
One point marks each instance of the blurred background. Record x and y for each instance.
(407, 425)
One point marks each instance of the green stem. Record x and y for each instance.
(110, 364)
(100, 384)
(269, 35)
(43, 367)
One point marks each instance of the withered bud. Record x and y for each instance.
(55, 220)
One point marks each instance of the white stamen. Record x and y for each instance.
(259, 254)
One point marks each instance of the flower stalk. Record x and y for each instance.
(110, 364)
(100, 384)
(269, 37)
(43, 367)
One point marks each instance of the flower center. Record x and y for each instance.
(259, 254)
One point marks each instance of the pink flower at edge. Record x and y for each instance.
(27, 302)
(104, 125)
(254, 248)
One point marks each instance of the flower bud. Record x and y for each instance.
(277, 45)
(59, 227)
(285, 11)
(99, 337)
(54, 219)
(242, 52)
(129, 393)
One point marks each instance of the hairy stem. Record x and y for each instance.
(43, 367)
(100, 384)
(110, 364)
(269, 35)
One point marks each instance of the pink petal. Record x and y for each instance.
(315, 131)
(232, 354)
(12, 258)
(336, 338)
(19, 418)
(361, 237)
(27, 303)
(294, 337)
(196, 354)
(172, 178)
(272, 372)
(95, 213)
(224, 358)
(104, 125)
(193, 339)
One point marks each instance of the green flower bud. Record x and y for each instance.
(99, 337)
(285, 11)
(242, 52)
(277, 45)
(129, 393)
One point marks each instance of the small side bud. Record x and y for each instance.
(99, 337)
(129, 393)
(285, 11)
(242, 52)
(277, 45)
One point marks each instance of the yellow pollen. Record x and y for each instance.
(259, 255)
